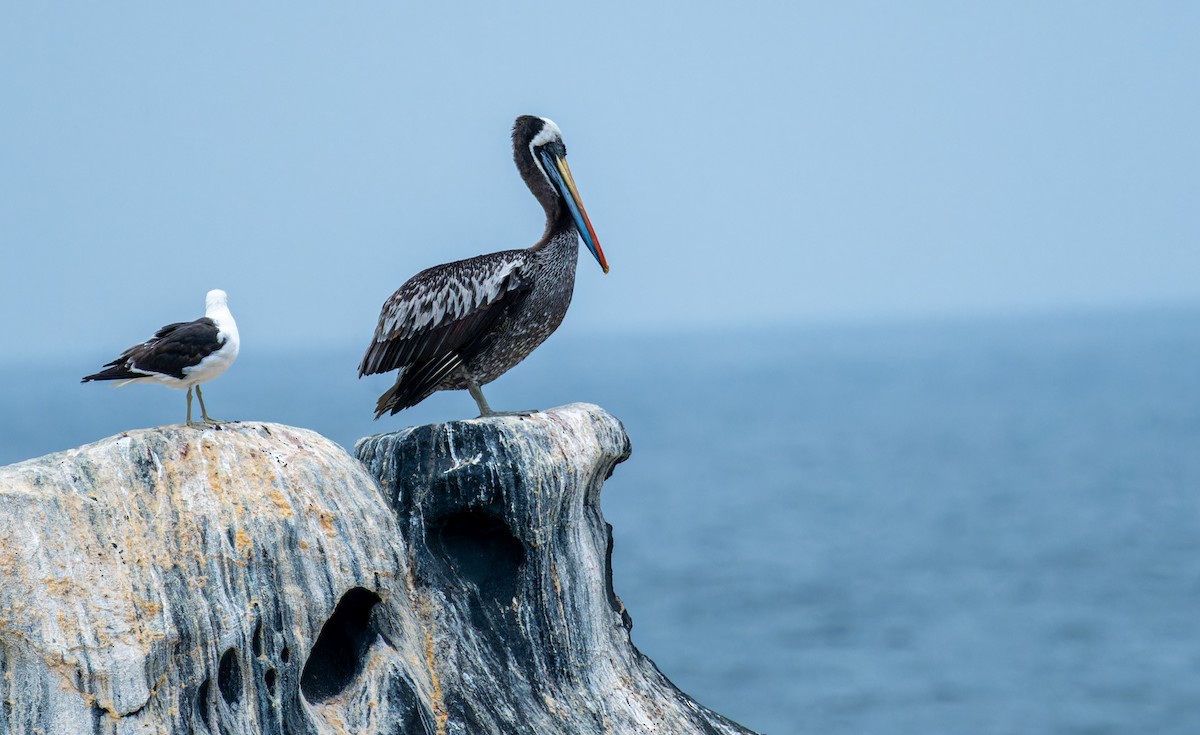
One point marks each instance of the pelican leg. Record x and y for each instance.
(477, 394)
(203, 411)
(486, 410)
(189, 405)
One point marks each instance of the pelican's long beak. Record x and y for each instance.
(560, 175)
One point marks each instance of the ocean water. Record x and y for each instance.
(979, 526)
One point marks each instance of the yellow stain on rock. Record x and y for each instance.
(243, 541)
(441, 716)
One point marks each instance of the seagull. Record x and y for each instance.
(461, 325)
(182, 355)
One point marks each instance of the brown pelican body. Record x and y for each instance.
(461, 325)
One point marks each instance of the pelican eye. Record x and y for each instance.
(554, 148)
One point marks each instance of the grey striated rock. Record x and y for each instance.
(253, 578)
(511, 568)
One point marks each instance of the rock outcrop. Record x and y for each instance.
(255, 578)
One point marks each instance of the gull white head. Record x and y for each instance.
(216, 299)
(216, 307)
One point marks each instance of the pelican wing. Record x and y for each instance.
(443, 313)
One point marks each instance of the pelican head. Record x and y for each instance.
(543, 140)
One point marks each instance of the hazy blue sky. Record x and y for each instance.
(742, 162)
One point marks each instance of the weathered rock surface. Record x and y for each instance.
(511, 571)
(255, 579)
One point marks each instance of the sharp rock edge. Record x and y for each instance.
(256, 578)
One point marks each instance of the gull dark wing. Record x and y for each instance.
(172, 349)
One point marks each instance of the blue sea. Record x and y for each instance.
(984, 526)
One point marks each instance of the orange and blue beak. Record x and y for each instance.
(560, 175)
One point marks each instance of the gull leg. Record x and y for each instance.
(203, 411)
(189, 404)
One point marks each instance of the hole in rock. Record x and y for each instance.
(256, 640)
(229, 677)
(202, 703)
(341, 648)
(285, 654)
(269, 678)
(483, 551)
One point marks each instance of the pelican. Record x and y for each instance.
(182, 355)
(461, 325)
